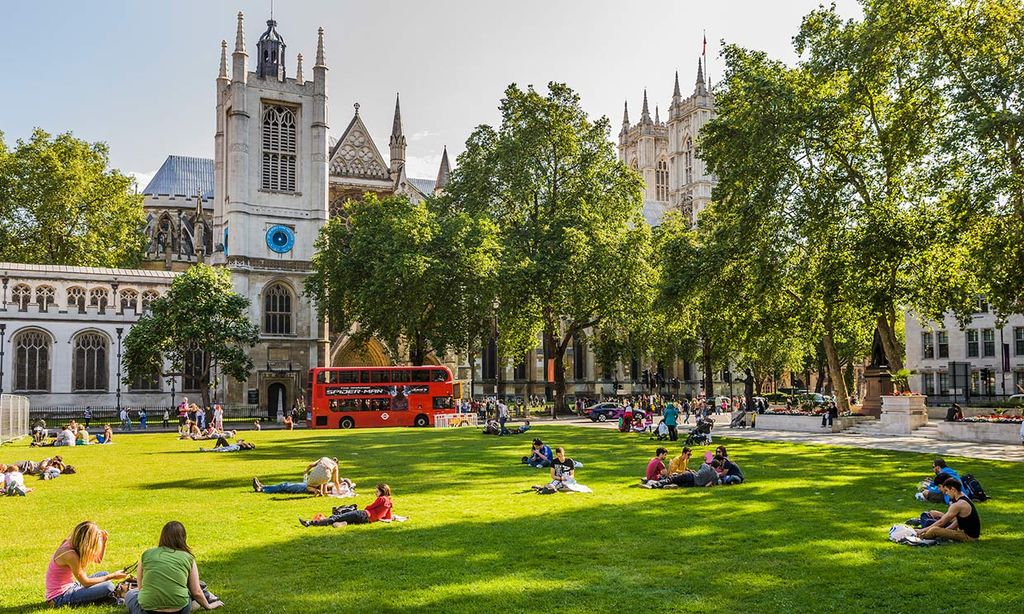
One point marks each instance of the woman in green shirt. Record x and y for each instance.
(169, 578)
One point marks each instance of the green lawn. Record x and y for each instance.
(806, 533)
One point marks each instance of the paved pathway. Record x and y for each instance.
(902, 443)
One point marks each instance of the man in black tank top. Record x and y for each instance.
(960, 522)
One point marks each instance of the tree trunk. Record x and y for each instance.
(835, 370)
(890, 344)
(705, 364)
(205, 382)
(559, 380)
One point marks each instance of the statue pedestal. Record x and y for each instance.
(878, 384)
(902, 414)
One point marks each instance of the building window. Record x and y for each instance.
(519, 373)
(927, 384)
(688, 161)
(98, 298)
(944, 384)
(130, 300)
(21, 296)
(490, 360)
(32, 361)
(982, 305)
(192, 373)
(76, 299)
(943, 343)
(148, 297)
(972, 343)
(579, 359)
(277, 310)
(1018, 381)
(1018, 341)
(988, 342)
(928, 345)
(44, 297)
(146, 381)
(661, 180)
(90, 360)
(279, 148)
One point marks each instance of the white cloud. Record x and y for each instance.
(142, 178)
(422, 134)
(422, 167)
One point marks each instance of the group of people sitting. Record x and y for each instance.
(716, 469)
(73, 434)
(192, 431)
(960, 522)
(165, 579)
(12, 476)
(497, 427)
(320, 479)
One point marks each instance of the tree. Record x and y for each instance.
(200, 322)
(60, 203)
(416, 273)
(574, 252)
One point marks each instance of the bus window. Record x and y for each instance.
(438, 375)
(420, 375)
(346, 377)
(401, 376)
(379, 404)
(379, 377)
(364, 377)
(322, 377)
(443, 403)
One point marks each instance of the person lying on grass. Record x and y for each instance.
(380, 509)
(34, 468)
(14, 481)
(960, 522)
(315, 479)
(169, 578)
(66, 582)
(222, 445)
(563, 476)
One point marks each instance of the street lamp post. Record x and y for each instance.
(3, 331)
(119, 330)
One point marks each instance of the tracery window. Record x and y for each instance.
(21, 295)
(661, 180)
(129, 300)
(98, 298)
(148, 297)
(192, 374)
(76, 299)
(90, 361)
(44, 297)
(279, 148)
(32, 361)
(277, 310)
(688, 160)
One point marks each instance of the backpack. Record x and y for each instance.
(974, 489)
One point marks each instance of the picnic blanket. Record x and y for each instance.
(906, 535)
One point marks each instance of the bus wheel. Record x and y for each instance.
(422, 420)
(347, 423)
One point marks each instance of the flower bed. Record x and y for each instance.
(996, 419)
(1007, 431)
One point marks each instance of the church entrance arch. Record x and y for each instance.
(277, 401)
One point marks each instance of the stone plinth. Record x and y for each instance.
(902, 414)
(984, 432)
(878, 384)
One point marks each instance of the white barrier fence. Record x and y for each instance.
(13, 417)
(445, 421)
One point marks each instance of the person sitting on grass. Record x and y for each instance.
(66, 582)
(930, 490)
(14, 481)
(707, 475)
(315, 479)
(540, 455)
(729, 471)
(563, 476)
(656, 469)
(82, 437)
(108, 435)
(66, 437)
(169, 578)
(380, 509)
(680, 464)
(522, 429)
(960, 522)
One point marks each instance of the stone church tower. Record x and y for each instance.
(270, 201)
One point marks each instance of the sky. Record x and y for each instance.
(139, 75)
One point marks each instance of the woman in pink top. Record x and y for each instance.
(66, 582)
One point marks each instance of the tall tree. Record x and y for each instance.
(413, 273)
(200, 322)
(574, 249)
(60, 203)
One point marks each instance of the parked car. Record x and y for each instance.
(814, 398)
(1016, 399)
(603, 412)
(777, 397)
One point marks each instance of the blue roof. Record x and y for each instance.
(183, 176)
(423, 185)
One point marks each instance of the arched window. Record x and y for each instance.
(661, 180)
(634, 165)
(21, 295)
(76, 299)
(32, 361)
(192, 374)
(688, 160)
(44, 297)
(90, 362)
(148, 297)
(98, 297)
(277, 310)
(129, 300)
(279, 148)
(579, 359)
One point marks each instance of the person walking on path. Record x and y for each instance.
(126, 420)
(167, 417)
(88, 415)
(671, 421)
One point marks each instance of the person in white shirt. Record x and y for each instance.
(218, 417)
(502, 416)
(14, 482)
(315, 479)
(66, 437)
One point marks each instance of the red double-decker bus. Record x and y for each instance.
(350, 397)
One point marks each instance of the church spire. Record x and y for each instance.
(443, 173)
(299, 78)
(397, 139)
(223, 74)
(239, 58)
(320, 61)
(239, 35)
(657, 116)
(645, 113)
(675, 90)
(701, 86)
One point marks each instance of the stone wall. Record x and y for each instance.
(983, 432)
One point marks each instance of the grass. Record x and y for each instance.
(806, 533)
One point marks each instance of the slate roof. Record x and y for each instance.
(423, 185)
(183, 176)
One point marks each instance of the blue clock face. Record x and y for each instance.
(280, 239)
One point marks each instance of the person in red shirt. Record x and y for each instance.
(380, 509)
(656, 468)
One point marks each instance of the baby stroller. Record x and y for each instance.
(700, 434)
(661, 432)
(739, 420)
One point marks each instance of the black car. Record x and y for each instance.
(602, 412)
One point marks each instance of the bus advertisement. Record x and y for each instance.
(350, 397)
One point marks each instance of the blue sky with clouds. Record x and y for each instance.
(140, 74)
